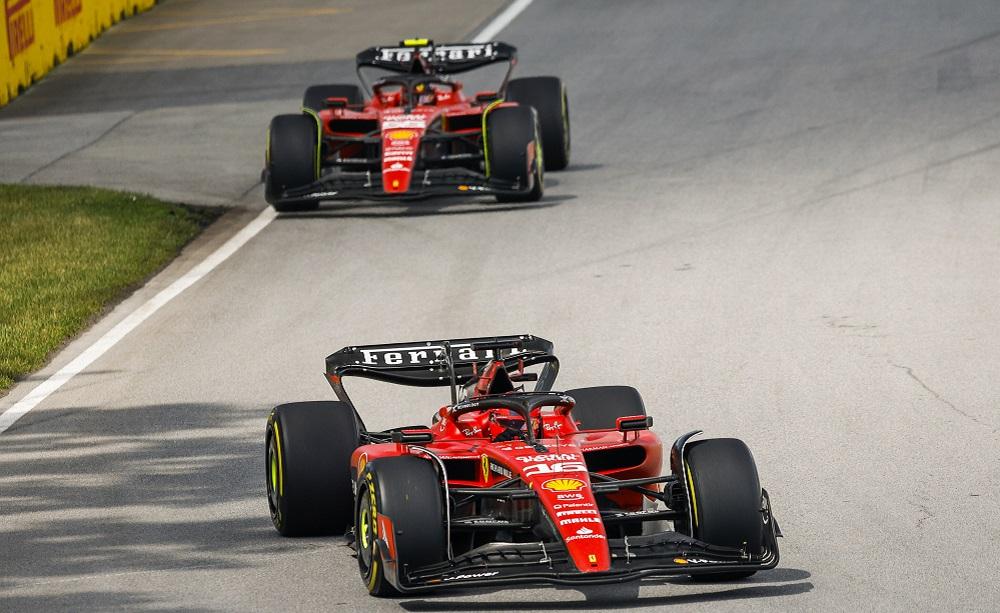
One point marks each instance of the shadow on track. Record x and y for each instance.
(626, 595)
(131, 491)
(93, 601)
(422, 208)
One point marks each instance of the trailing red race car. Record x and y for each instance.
(509, 486)
(417, 134)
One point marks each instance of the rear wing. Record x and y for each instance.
(442, 363)
(422, 55)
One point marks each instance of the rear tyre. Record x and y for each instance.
(600, 407)
(402, 494)
(548, 97)
(292, 159)
(315, 97)
(308, 467)
(725, 496)
(514, 151)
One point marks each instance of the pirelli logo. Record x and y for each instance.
(20, 26)
(66, 10)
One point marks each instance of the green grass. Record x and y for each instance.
(67, 254)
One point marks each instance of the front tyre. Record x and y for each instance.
(307, 465)
(547, 95)
(399, 509)
(514, 151)
(291, 159)
(725, 498)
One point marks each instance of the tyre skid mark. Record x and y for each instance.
(87, 145)
(940, 398)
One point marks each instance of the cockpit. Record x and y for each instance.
(494, 407)
(414, 90)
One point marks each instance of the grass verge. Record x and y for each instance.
(67, 254)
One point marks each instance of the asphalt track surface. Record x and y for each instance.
(781, 223)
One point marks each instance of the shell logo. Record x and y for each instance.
(400, 134)
(563, 485)
(362, 462)
(680, 561)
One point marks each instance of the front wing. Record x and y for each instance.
(425, 184)
(656, 555)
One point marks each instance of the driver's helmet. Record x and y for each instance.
(425, 94)
(507, 429)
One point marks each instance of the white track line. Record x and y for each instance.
(112, 336)
(136, 317)
(502, 21)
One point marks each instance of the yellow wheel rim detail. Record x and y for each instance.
(486, 149)
(369, 532)
(374, 576)
(274, 472)
(281, 469)
(694, 500)
(365, 529)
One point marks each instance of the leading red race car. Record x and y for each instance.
(417, 134)
(511, 486)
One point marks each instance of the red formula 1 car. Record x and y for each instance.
(511, 486)
(418, 134)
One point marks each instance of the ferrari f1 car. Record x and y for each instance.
(511, 486)
(413, 132)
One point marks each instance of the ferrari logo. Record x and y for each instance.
(485, 462)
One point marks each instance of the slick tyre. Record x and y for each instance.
(547, 95)
(401, 495)
(600, 407)
(315, 97)
(307, 463)
(292, 159)
(725, 497)
(514, 151)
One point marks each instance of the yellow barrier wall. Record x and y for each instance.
(37, 35)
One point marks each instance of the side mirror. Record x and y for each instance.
(336, 102)
(411, 437)
(484, 97)
(634, 423)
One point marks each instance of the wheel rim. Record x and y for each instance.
(272, 469)
(539, 158)
(565, 118)
(366, 533)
